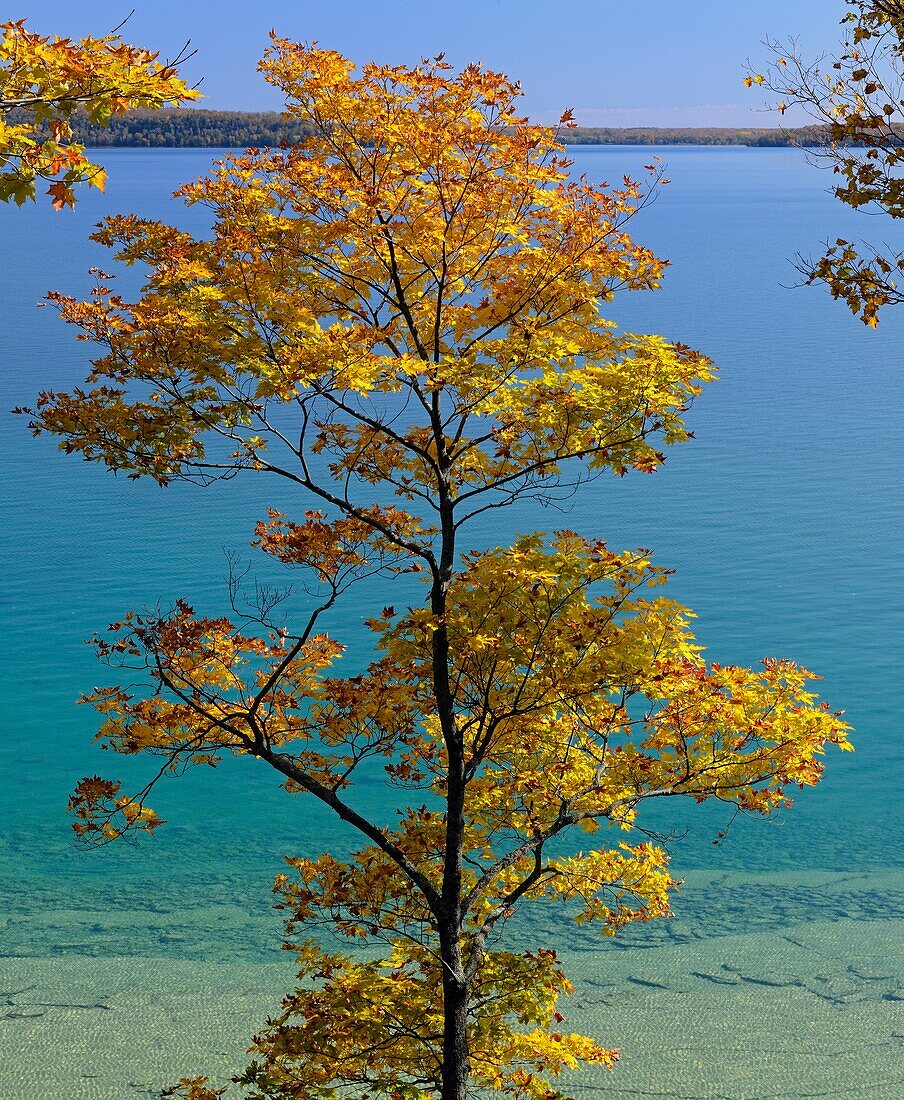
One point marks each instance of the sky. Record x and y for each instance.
(614, 62)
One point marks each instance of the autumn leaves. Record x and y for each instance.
(403, 318)
(43, 83)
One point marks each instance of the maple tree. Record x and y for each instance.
(402, 317)
(858, 98)
(44, 81)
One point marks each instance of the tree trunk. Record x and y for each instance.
(456, 1052)
(456, 1070)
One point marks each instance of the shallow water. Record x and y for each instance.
(783, 520)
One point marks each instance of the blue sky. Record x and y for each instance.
(615, 62)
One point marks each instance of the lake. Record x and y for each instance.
(781, 973)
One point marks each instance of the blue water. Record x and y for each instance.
(783, 519)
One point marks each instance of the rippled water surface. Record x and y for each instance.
(783, 520)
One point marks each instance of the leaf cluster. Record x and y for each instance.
(44, 81)
(857, 98)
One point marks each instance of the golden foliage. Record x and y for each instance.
(44, 81)
(404, 317)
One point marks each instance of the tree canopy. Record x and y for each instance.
(403, 317)
(44, 81)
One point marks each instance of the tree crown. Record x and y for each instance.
(403, 316)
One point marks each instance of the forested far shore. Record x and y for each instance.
(696, 135)
(241, 129)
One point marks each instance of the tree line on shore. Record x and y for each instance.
(175, 127)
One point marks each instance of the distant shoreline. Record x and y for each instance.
(192, 128)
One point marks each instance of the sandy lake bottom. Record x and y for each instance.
(811, 1008)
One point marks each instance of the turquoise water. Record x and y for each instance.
(783, 519)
